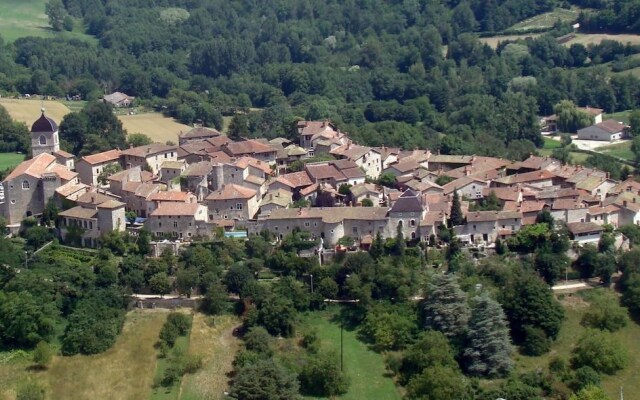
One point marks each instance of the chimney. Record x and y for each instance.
(624, 203)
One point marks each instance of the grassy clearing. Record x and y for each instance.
(571, 330)
(218, 345)
(595, 38)
(547, 19)
(576, 157)
(123, 372)
(621, 150)
(493, 41)
(10, 160)
(172, 392)
(20, 18)
(226, 121)
(155, 125)
(622, 116)
(28, 110)
(365, 367)
(551, 144)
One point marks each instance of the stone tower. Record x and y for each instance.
(44, 136)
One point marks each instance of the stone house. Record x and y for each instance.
(366, 191)
(90, 167)
(197, 177)
(87, 222)
(467, 187)
(197, 134)
(275, 199)
(155, 199)
(31, 184)
(585, 232)
(251, 148)
(179, 221)
(539, 179)
(171, 170)
(487, 226)
(406, 213)
(232, 201)
(151, 155)
(367, 158)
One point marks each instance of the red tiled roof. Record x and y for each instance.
(231, 191)
(175, 209)
(298, 179)
(247, 147)
(169, 196)
(104, 157)
(34, 167)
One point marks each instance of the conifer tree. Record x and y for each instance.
(455, 217)
(377, 247)
(489, 347)
(445, 307)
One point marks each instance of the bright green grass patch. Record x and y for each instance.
(10, 160)
(21, 18)
(622, 116)
(547, 19)
(620, 150)
(172, 392)
(551, 143)
(365, 368)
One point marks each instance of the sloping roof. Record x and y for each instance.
(200, 132)
(450, 159)
(404, 166)
(353, 172)
(165, 195)
(567, 204)
(526, 177)
(293, 150)
(148, 150)
(104, 157)
(487, 216)
(173, 164)
(323, 171)
(409, 201)
(111, 204)
(34, 167)
(93, 198)
(201, 168)
(309, 189)
(244, 162)
(591, 111)
(362, 189)
(117, 97)
(247, 147)
(459, 183)
(44, 124)
(583, 227)
(503, 193)
(315, 127)
(351, 151)
(63, 154)
(169, 209)
(331, 215)
(231, 191)
(591, 183)
(79, 212)
(297, 179)
(279, 197)
(529, 206)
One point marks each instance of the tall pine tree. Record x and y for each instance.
(377, 247)
(445, 307)
(455, 217)
(488, 351)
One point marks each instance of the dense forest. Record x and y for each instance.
(406, 73)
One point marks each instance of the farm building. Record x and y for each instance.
(608, 131)
(118, 99)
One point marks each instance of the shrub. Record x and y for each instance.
(42, 355)
(30, 391)
(192, 363)
(535, 342)
(605, 313)
(583, 377)
(600, 351)
(311, 342)
(172, 374)
(258, 340)
(169, 334)
(181, 321)
(321, 376)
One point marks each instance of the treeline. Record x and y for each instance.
(621, 16)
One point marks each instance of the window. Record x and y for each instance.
(355, 230)
(412, 222)
(238, 206)
(175, 224)
(42, 139)
(159, 224)
(25, 184)
(307, 224)
(413, 235)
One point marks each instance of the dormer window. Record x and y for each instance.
(42, 139)
(25, 185)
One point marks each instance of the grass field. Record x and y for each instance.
(595, 38)
(366, 369)
(156, 126)
(576, 158)
(571, 330)
(622, 116)
(10, 160)
(173, 392)
(551, 144)
(27, 110)
(218, 345)
(494, 40)
(621, 150)
(20, 18)
(123, 372)
(547, 19)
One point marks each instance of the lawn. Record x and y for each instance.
(155, 125)
(27, 110)
(493, 41)
(620, 150)
(366, 368)
(595, 38)
(571, 330)
(547, 19)
(218, 345)
(171, 392)
(123, 372)
(622, 116)
(20, 18)
(551, 144)
(10, 160)
(576, 157)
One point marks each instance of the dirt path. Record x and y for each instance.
(215, 341)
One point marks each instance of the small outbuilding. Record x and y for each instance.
(607, 131)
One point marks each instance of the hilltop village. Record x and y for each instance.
(188, 191)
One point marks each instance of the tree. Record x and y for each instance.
(634, 122)
(455, 217)
(186, 280)
(24, 320)
(387, 179)
(489, 347)
(160, 284)
(321, 376)
(42, 355)
(367, 203)
(600, 351)
(431, 349)
(278, 316)
(387, 328)
(377, 247)
(138, 139)
(215, 299)
(445, 307)
(264, 379)
(56, 13)
(107, 171)
(570, 119)
(590, 393)
(605, 313)
(438, 383)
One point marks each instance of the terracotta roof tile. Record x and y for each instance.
(230, 192)
(169, 209)
(104, 157)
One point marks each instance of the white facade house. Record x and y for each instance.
(607, 131)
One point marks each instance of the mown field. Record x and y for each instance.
(575, 308)
(366, 368)
(547, 19)
(123, 372)
(155, 125)
(28, 110)
(582, 38)
(20, 18)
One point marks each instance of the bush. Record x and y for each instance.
(181, 321)
(600, 351)
(169, 334)
(535, 342)
(583, 377)
(192, 363)
(605, 313)
(172, 374)
(258, 340)
(42, 354)
(30, 391)
(311, 342)
(321, 376)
